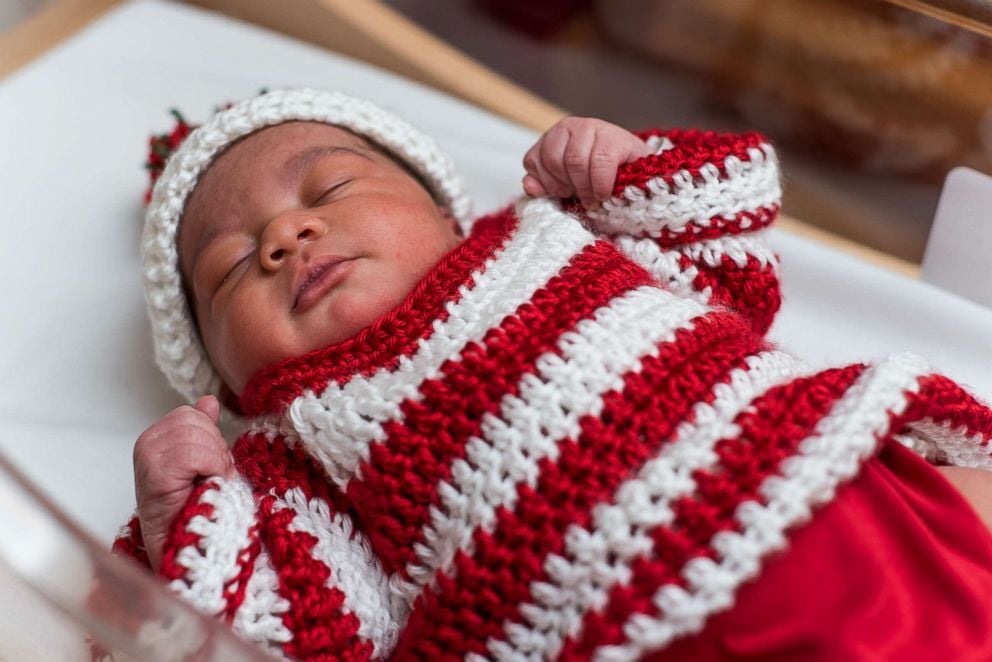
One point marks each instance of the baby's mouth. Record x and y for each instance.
(318, 278)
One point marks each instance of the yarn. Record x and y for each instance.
(562, 444)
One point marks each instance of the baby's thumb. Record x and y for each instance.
(210, 406)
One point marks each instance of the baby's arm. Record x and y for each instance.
(690, 206)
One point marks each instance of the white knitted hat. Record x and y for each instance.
(178, 350)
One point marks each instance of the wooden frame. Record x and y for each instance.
(368, 30)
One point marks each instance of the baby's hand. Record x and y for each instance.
(579, 156)
(168, 458)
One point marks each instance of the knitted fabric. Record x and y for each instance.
(178, 350)
(570, 440)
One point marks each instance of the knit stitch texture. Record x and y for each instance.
(570, 441)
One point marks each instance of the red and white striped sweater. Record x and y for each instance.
(570, 441)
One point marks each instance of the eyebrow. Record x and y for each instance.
(300, 161)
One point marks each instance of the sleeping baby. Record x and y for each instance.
(553, 432)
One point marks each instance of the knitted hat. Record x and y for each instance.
(178, 350)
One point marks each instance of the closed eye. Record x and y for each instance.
(231, 271)
(328, 192)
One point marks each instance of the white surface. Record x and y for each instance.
(957, 255)
(74, 346)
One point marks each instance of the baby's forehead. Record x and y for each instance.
(279, 144)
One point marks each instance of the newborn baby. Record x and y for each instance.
(554, 432)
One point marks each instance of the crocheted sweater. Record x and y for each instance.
(570, 441)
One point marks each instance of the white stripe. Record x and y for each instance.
(957, 447)
(664, 266)
(213, 562)
(747, 186)
(259, 618)
(543, 245)
(598, 558)
(355, 570)
(551, 403)
(664, 263)
(843, 439)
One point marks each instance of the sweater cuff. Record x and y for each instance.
(212, 546)
(696, 185)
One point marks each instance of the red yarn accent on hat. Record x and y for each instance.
(161, 146)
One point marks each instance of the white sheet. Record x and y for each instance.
(79, 382)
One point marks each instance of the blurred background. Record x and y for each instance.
(870, 102)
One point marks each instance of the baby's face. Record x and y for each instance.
(298, 237)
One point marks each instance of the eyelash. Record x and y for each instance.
(330, 190)
(230, 271)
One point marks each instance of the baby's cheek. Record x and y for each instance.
(250, 338)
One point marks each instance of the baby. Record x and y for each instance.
(555, 432)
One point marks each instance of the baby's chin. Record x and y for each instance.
(344, 314)
(351, 310)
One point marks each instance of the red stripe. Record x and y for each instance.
(322, 629)
(771, 429)
(180, 536)
(274, 467)
(743, 222)
(399, 483)
(945, 402)
(692, 150)
(750, 220)
(236, 588)
(752, 290)
(491, 585)
(131, 544)
(391, 336)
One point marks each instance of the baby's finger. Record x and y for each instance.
(551, 164)
(532, 186)
(197, 456)
(535, 168)
(209, 405)
(604, 159)
(577, 162)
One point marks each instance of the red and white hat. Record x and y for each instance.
(178, 350)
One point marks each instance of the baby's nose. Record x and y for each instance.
(285, 235)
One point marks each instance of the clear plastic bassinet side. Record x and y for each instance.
(62, 596)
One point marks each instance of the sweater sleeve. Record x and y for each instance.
(277, 563)
(695, 213)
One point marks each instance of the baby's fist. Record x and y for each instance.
(579, 156)
(169, 456)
